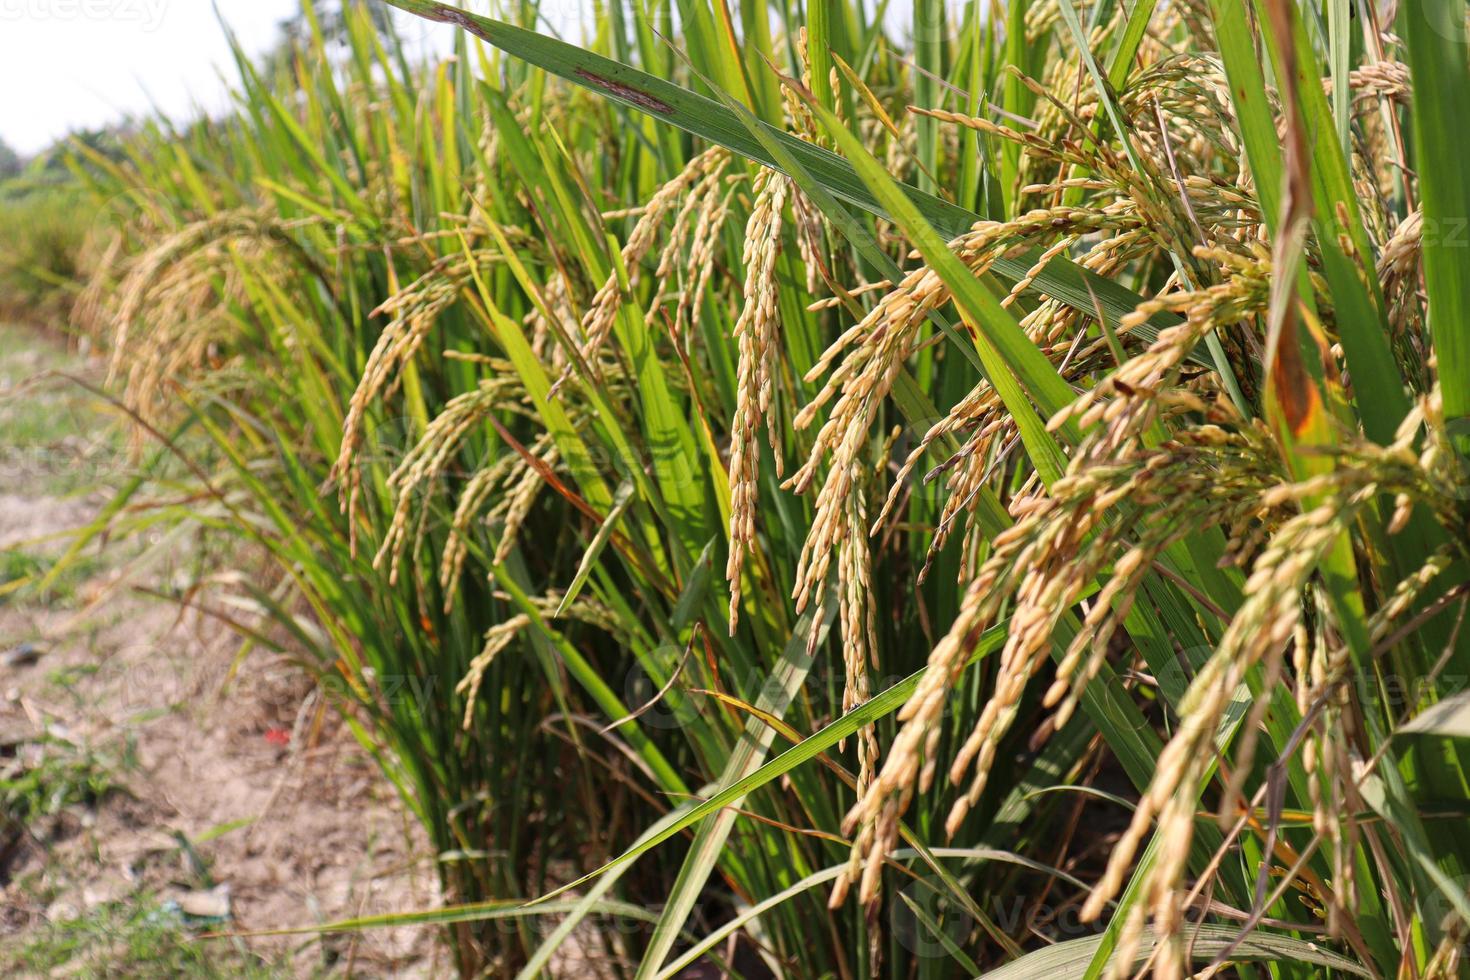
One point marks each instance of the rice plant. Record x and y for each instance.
(41, 238)
(1074, 395)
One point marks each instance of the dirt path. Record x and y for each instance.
(155, 784)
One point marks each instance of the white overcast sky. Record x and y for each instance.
(72, 64)
(78, 64)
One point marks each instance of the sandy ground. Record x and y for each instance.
(215, 791)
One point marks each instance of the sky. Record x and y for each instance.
(75, 64)
(78, 64)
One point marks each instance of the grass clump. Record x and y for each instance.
(136, 940)
(42, 239)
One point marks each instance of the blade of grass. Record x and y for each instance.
(1069, 960)
(1437, 45)
(776, 695)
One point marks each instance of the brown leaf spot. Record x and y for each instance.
(627, 93)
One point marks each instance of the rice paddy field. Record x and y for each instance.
(831, 490)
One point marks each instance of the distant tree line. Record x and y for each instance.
(10, 162)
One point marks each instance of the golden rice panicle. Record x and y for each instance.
(757, 338)
(860, 653)
(601, 315)
(167, 260)
(810, 227)
(909, 762)
(424, 463)
(414, 310)
(859, 384)
(1268, 619)
(476, 494)
(522, 497)
(1331, 786)
(859, 640)
(504, 633)
(1070, 540)
(170, 311)
(497, 638)
(1399, 268)
(1041, 566)
(691, 245)
(797, 110)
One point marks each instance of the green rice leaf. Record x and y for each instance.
(1069, 960)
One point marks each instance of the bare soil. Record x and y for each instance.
(162, 782)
